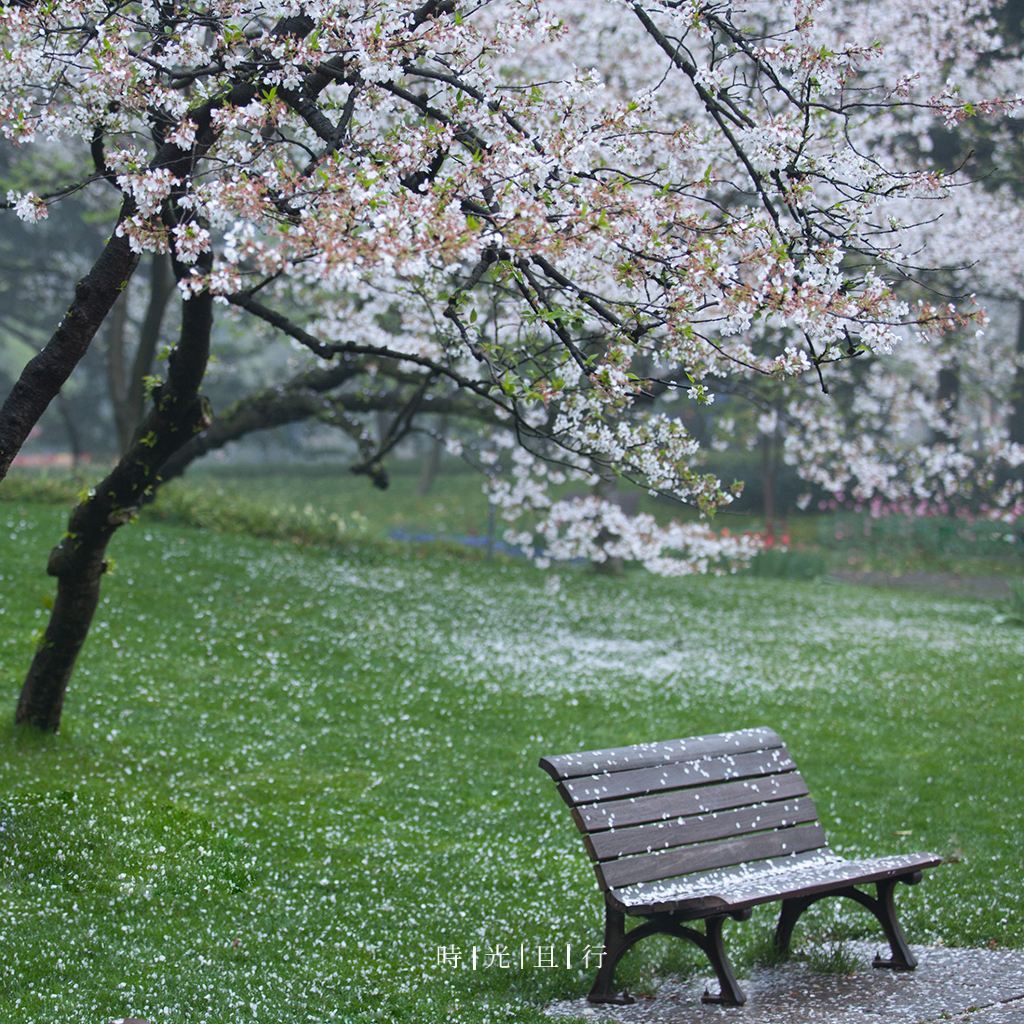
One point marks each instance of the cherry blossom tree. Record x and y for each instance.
(935, 429)
(567, 215)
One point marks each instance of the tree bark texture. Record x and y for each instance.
(300, 399)
(44, 375)
(78, 562)
(1017, 391)
(126, 378)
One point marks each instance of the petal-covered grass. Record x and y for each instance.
(287, 776)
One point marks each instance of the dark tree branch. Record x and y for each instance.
(45, 374)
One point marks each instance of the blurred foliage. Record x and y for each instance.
(924, 537)
(789, 565)
(746, 466)
(1012, 610)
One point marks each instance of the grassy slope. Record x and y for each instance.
(286, 777)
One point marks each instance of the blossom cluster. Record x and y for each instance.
(573, 213)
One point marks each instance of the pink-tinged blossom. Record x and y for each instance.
(553, 209)
(190, 241)
(28, 206)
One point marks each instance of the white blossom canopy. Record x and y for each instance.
(568, 212)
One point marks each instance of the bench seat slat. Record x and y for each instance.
(646, 755)
(686, 802)
(730, 852)
(684, 831)
(764, 882)
(676, 775)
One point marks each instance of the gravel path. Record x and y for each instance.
(951, 986)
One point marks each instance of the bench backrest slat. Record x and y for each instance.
(685, 860)
(646, 755)
(687, 802)
(659, 810)
(682, 831)
(677, 775)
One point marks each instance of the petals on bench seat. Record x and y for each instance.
(764, 882)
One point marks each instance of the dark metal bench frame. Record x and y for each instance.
(591, 782)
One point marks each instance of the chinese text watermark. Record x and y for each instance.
(507, 956)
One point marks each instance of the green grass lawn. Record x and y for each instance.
(287, 775)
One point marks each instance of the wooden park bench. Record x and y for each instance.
(704, 829)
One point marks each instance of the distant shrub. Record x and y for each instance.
(930, 535)
(1012, 610)
(199, 503)
(788, 565)
(204, 505)
(215, 509)
(191, 503)
(45, 488)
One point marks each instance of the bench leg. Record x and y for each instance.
(901, 958)
(617, 942)
(883, 906)
(615, 945)
(791, 911)
(729, 991)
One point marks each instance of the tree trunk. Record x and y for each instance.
(1016, 424)
(769, 475)
(44, 375)
(78, 562)
(161, 287)
(117, 375)
(432, 463)
(127, 382)
(948, 396)
(71, 429)
(78, 593)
